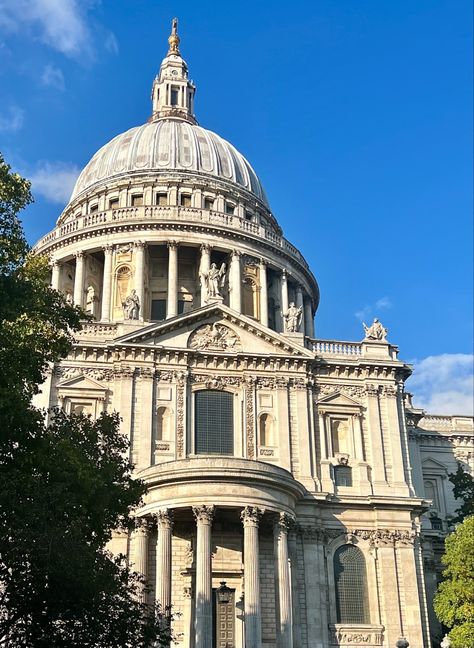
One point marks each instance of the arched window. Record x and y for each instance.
(214, 422)
(431, 492)
(265, 424)
(350, 576)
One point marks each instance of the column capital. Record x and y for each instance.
(251, 515)
(205, 247)
(236, 254)
(284, 522)
(142, 526)
(54, 263)
(80, 254)
(204, 514)
(263, 262)
(172, 245)
(163, 518)
(284, 275)
(139, 245)
(108, 248)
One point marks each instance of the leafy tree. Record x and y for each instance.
(454, 601)
(63, 486)
(464, 490)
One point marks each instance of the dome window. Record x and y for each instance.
(137, 200)
(161, 199)
(93, 208)
(174, 95)
(185, 200)
(229, 208)
(113, 203)
(208, 202)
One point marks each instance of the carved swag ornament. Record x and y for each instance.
(214, 337)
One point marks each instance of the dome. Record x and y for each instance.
(169, 145)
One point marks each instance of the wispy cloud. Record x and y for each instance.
(372, 310)
(11, 119)
(52, 76)
(444, 384)
(111, 43)
(54, 180)
(61, 24)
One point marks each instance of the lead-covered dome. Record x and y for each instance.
(169, 144)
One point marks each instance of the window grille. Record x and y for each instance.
(214, 422)
(352, 605)
(343, 475)
(436, 523)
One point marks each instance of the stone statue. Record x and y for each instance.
(292, 318)
(375, 331)
(69, 298)
(214, 279)
(214, 336)
(91, 300)
(131, 306)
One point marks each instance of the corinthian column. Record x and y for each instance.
(107, 283)
(163, 560)
(235, 293)
(141, 553)
(140, 274)
(299, 304)
(203, 616)
(308, 317)
(56, 268)
(79, 279)
(204, 266)
(253, 616)
(172, 301)
(284, 295)
(263, 293)
(283, 579)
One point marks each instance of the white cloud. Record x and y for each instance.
(60, 24)
(52, 76)
(444, 384)
(369, 311)
(111, 44)
(54, 180)
(11, 119)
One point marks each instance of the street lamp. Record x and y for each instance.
(224, 593)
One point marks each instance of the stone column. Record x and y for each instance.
(308, 317)
(79, 279)
(379, 478)
(203, 616)
(235, 293)
(253, 615)
(284, 296)
(283, 580)
(140, 274)
(107, 283)
(141, 535)
(163, 560)
(55, 274)
(299, 304)
(172, 301)
(204, 266)
(263, 293)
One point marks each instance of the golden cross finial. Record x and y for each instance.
(173, 40)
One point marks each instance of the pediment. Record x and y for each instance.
(339, 399)
(214, 329)
(433, 466)
(82, 383)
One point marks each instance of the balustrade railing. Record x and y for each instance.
(171, 213)
(336, 347)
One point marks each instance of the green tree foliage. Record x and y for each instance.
(463, 490)
(65, 485)
(454, 601)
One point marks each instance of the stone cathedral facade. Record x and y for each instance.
(296, 498)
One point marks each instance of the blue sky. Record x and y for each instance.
(357, 115)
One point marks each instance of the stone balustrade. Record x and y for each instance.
(336, 348)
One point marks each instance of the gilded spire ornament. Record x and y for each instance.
(173, 39)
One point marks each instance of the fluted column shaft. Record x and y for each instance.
(172, 301)
(163, 560)
(284, 582)
(141, 555)
(253, 614)
(140, 274)
(55, 274)
(299, 304)
(204, 266)
(203, 617)
(235, 293)
(284, 295)
(308, 318)
(79, 279)
(106, 284)
(263, 293)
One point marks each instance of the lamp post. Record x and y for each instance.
(224, 593)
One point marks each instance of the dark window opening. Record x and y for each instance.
(436, 523)
(113, 203)
(137, 200)
(352, 604)
(181, 303)
(229, 208)
(208, 203)
(214, 422)
(185, 200)
(174, 96)
(93, 208)
(161, 199)
(343, 475)
(158, 309)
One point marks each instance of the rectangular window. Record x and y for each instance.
(158, 309)
(113, 203)
(137, 200)
(185, 200)
(208, 203)
(214, 422)
(93, 208)
(161, 199)
(181, 303)
(343, 475)
(174, 96)
(229, 208)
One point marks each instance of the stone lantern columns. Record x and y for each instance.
(253, 616)
(203, 619)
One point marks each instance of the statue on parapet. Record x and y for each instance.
(131, 306)
(376, 331)
(214, 279)
(292, 318)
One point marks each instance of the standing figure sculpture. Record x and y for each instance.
(91, 300)
(375, 331)
(131, 306)
(292, 318)
(214, 279)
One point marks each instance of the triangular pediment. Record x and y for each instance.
(433, 466)
(81, 382)
(215, 329)
(337, 398)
